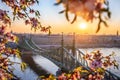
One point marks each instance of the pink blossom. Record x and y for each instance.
(84, 8)
(3, 17)
(2, 30)
(32, 11)
(90, 5)
(22, 2)
(27, 22)
(95, 64)
(1, 14)
(34, 22)
(21, 15)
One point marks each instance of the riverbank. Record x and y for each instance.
(81, 41)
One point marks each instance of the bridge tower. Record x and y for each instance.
(73, 45)
(62, 45)
(117, 33)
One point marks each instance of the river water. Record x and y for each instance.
(29, 74)
(44, 63)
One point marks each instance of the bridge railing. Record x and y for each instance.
(80, 58)
(71, 61)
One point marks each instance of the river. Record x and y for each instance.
(33, 71)
(48, 66)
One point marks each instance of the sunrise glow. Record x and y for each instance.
(83, 26)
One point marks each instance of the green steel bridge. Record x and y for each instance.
(62, 57)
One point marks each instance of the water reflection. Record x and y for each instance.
(28, 74)
(46, 64)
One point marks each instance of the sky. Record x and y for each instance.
(50, 16)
